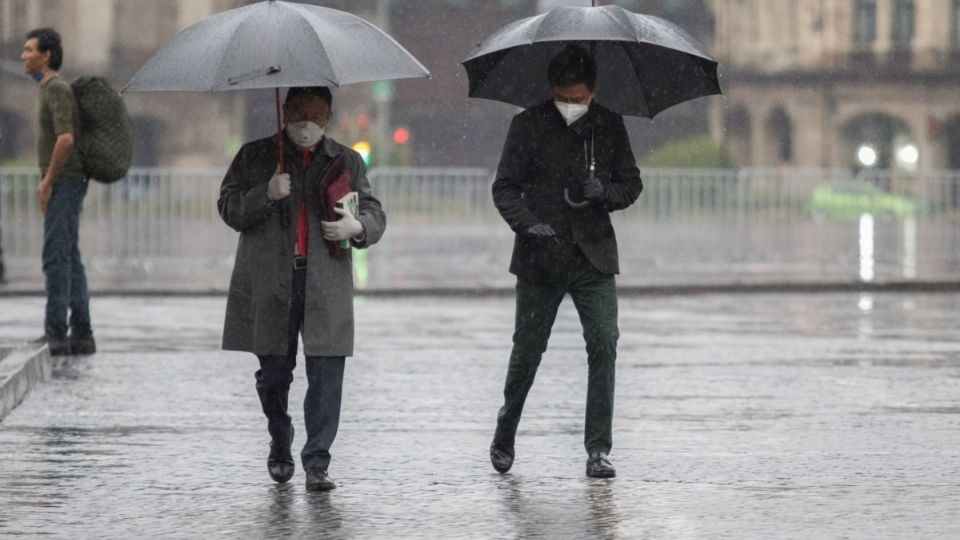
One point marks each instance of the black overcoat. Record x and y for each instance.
(543, 156)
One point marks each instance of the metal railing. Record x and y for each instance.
(164, 222)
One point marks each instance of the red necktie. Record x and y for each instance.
(302, 222)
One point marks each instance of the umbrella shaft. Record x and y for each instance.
(282, 214)
(279, 134)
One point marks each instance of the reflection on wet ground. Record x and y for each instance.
(740, 416)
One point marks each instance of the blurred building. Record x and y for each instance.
(839, 83)
(113, 38)
(409, 122)
(448, 128)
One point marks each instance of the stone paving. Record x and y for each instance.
(738, 416)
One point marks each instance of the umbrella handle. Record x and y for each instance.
(572, 204)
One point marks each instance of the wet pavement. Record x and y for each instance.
(738, 416)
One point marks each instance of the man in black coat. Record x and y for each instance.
(566, 165)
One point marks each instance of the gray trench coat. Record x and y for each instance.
(258, 303)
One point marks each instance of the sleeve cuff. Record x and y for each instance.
(257, 198)
(360, 240)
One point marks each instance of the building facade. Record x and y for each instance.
(113, 38)
(839, 83)
(444, 126)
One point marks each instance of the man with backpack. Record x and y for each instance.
(60, 196)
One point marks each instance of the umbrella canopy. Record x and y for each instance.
(275, 44)
(645, 64)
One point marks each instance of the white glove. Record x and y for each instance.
(346, 227)
(279, 187)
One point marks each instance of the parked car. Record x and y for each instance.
(850, 199)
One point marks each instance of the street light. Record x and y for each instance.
(867, 155)
(908, 155)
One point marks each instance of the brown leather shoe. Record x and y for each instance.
(599, 466)
(56, 340)
(280, 461)
(319, 480)
(81, 339)
(501, 456)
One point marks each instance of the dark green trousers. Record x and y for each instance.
(595, 297)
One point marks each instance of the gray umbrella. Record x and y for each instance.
(275, 44)
(645, 64)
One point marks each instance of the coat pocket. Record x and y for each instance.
(547, 255)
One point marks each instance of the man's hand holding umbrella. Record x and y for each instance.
(279, 186)
(592, 189)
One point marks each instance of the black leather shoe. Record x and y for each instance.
(280, 462)
(599, 466)
(501, 456)
(319, 480)
(81, 339)
(56, 340)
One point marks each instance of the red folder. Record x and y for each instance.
(333, 186)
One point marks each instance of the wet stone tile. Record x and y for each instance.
(755, 416)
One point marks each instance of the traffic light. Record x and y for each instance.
(401, 135)
(363, 148)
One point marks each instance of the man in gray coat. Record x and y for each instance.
(289, 279)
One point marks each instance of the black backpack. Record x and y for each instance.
(104, 143)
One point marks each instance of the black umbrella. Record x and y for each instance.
(645, 64)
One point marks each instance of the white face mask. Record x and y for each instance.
(571, 112)
(305, 134)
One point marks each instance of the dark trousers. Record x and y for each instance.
(66, 279)
(595, 297)
(3, 269)
(321, 406)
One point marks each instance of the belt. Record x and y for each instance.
(299, 262)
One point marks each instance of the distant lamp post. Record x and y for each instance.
(867, 156)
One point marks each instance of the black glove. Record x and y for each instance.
(541, 230)
(593, 189)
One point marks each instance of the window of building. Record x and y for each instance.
(780, 136)
(865, 22)
(904, 12)
(12, 128)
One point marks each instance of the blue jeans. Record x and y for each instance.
(66, 280)
(321, 405)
